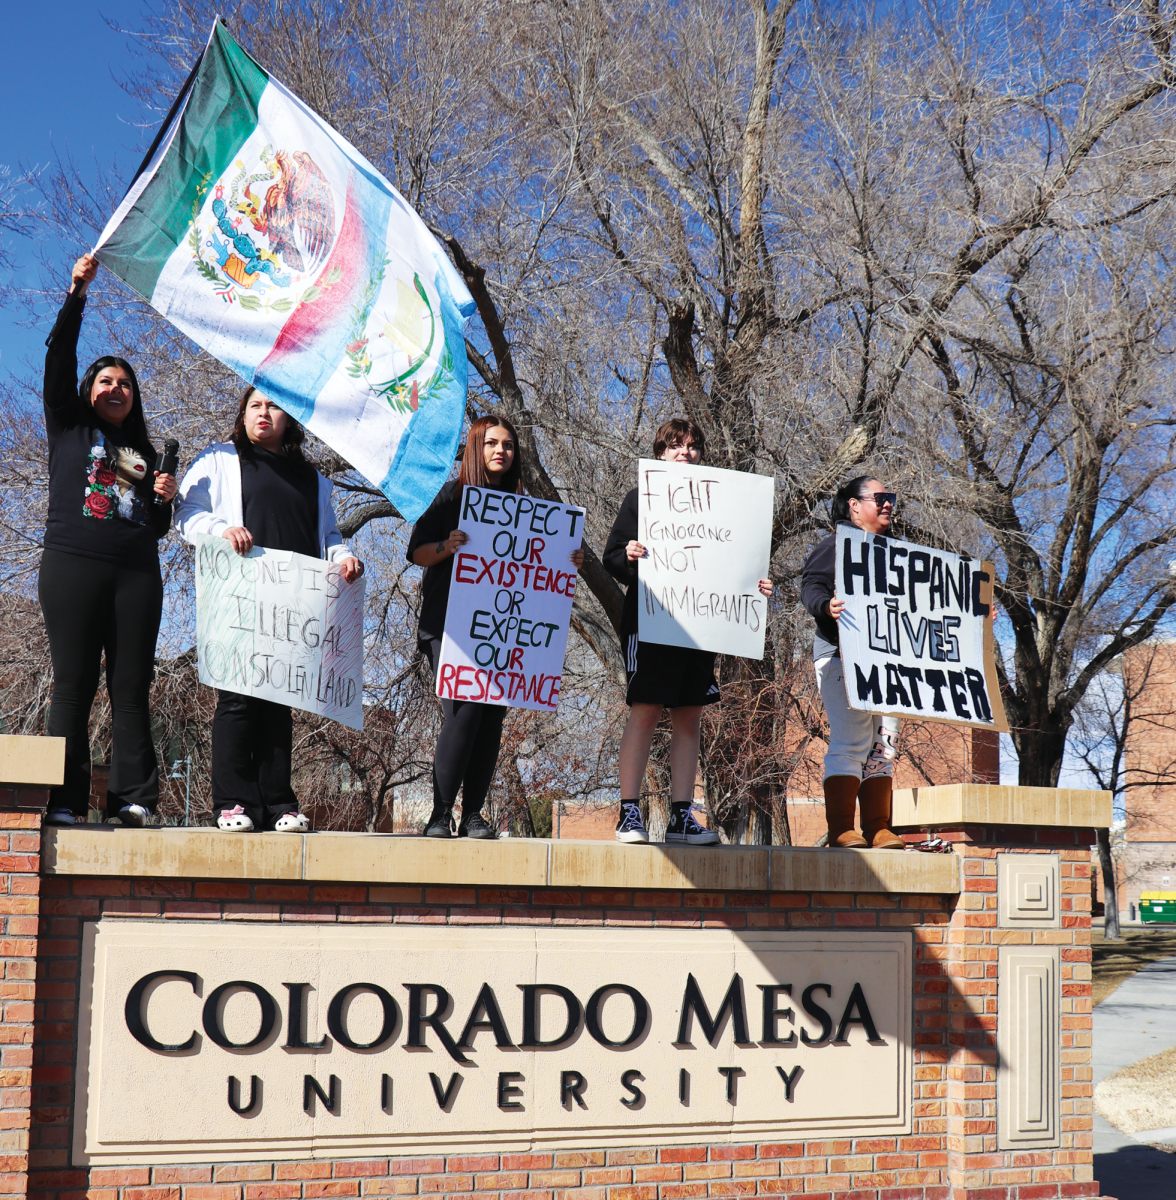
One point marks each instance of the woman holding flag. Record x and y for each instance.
(257, 489)
(99, 583)
(471, 733)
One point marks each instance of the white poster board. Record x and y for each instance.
(510, 600)
(707, 535)
(280, 626)
(916, 635)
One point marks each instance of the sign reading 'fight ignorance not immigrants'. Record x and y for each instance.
(707, 535)
(280, 626)
(510, 601)
(916, 633)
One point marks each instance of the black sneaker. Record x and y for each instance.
(684, 828)
(630, 826)
(441, 824)
(475, 826)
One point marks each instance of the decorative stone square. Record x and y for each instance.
(1027, 887)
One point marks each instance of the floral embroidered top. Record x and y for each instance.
(101, 502)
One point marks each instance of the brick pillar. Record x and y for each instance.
(977, 1166)
(20, 846)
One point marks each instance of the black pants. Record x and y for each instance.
(251, 748)
(92, 606)
(467, 749)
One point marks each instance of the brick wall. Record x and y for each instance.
(950, 1153)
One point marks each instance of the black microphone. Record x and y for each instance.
(167, 462)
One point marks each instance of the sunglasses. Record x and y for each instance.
(881, 498)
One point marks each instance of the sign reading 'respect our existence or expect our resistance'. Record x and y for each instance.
(510, 600)
(210, 1041)
(916, 633)
(707, 535)
(280, 626)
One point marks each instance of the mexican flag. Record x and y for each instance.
(276, 246)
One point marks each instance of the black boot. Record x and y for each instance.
(474, 825)
(441, 824)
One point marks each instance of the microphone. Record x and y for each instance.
(167, 462)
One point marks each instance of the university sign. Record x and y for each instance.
(209, 1044)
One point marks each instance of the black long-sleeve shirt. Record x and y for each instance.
(818, 584)
(436, 523)
(101, 500)
(617, 563)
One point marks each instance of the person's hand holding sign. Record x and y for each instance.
(634, 550)
(577, 558)
(835, 608)
(239, 538)
(351, 569)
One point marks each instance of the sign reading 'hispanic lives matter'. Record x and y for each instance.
(916, 633)
(510, 600)
(707, 535)
(204, 1042)
(280, 626)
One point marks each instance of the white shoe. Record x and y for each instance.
(60, 816)
(134, 816)
(630, 826)
(292, 822)
(234, 820)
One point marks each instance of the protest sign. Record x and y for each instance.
(280, 626)
(916, 637)
(707, 535)
(510, 602)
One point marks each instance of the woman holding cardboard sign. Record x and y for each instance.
(471, 732)
(258, 490)
(673, 677)
(860, 761)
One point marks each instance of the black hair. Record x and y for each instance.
(134, 428)
(845, 493)
(292, 437)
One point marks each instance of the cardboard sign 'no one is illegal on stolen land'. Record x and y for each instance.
(280, 626)
(510, 601)
(707, 535)
(916, 633)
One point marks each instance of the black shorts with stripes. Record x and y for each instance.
(672, 676)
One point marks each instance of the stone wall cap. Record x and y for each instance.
(996, 804)
(31, 761)
(203, 853)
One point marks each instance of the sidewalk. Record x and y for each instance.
(1136, 1021)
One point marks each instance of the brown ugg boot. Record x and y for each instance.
(840, 794)
(874, 798)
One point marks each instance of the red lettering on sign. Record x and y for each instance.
(448, 670)
(462, 682)
(501, 690)
(463, 565)
(487, 569)
(516, 659)
(537, 545)
(483, 678)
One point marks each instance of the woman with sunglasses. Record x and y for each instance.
(99, 583)
(862, 746)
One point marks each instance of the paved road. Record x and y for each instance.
(1137, 1020)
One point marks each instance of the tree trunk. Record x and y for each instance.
(1040, 753)
(1106, 864)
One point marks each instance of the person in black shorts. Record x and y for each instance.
(673, 677)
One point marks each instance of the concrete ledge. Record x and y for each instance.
(523, 863)
(992, 804)
(31, 761)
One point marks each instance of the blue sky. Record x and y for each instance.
(59, 94)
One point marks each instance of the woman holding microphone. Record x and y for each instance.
(862, 746)
(99, 583)
(471, 733)
(257, 489)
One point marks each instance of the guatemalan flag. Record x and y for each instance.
(270, 241)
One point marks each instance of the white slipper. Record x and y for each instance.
(234, 820)
(292, 822)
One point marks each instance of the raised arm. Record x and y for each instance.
(62, 404)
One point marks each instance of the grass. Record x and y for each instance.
(1115, 962)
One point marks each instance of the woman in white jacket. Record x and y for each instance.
(257, 489)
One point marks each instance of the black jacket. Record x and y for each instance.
(818, 582)
(93, 510)
(436, 523)
(617, 564)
